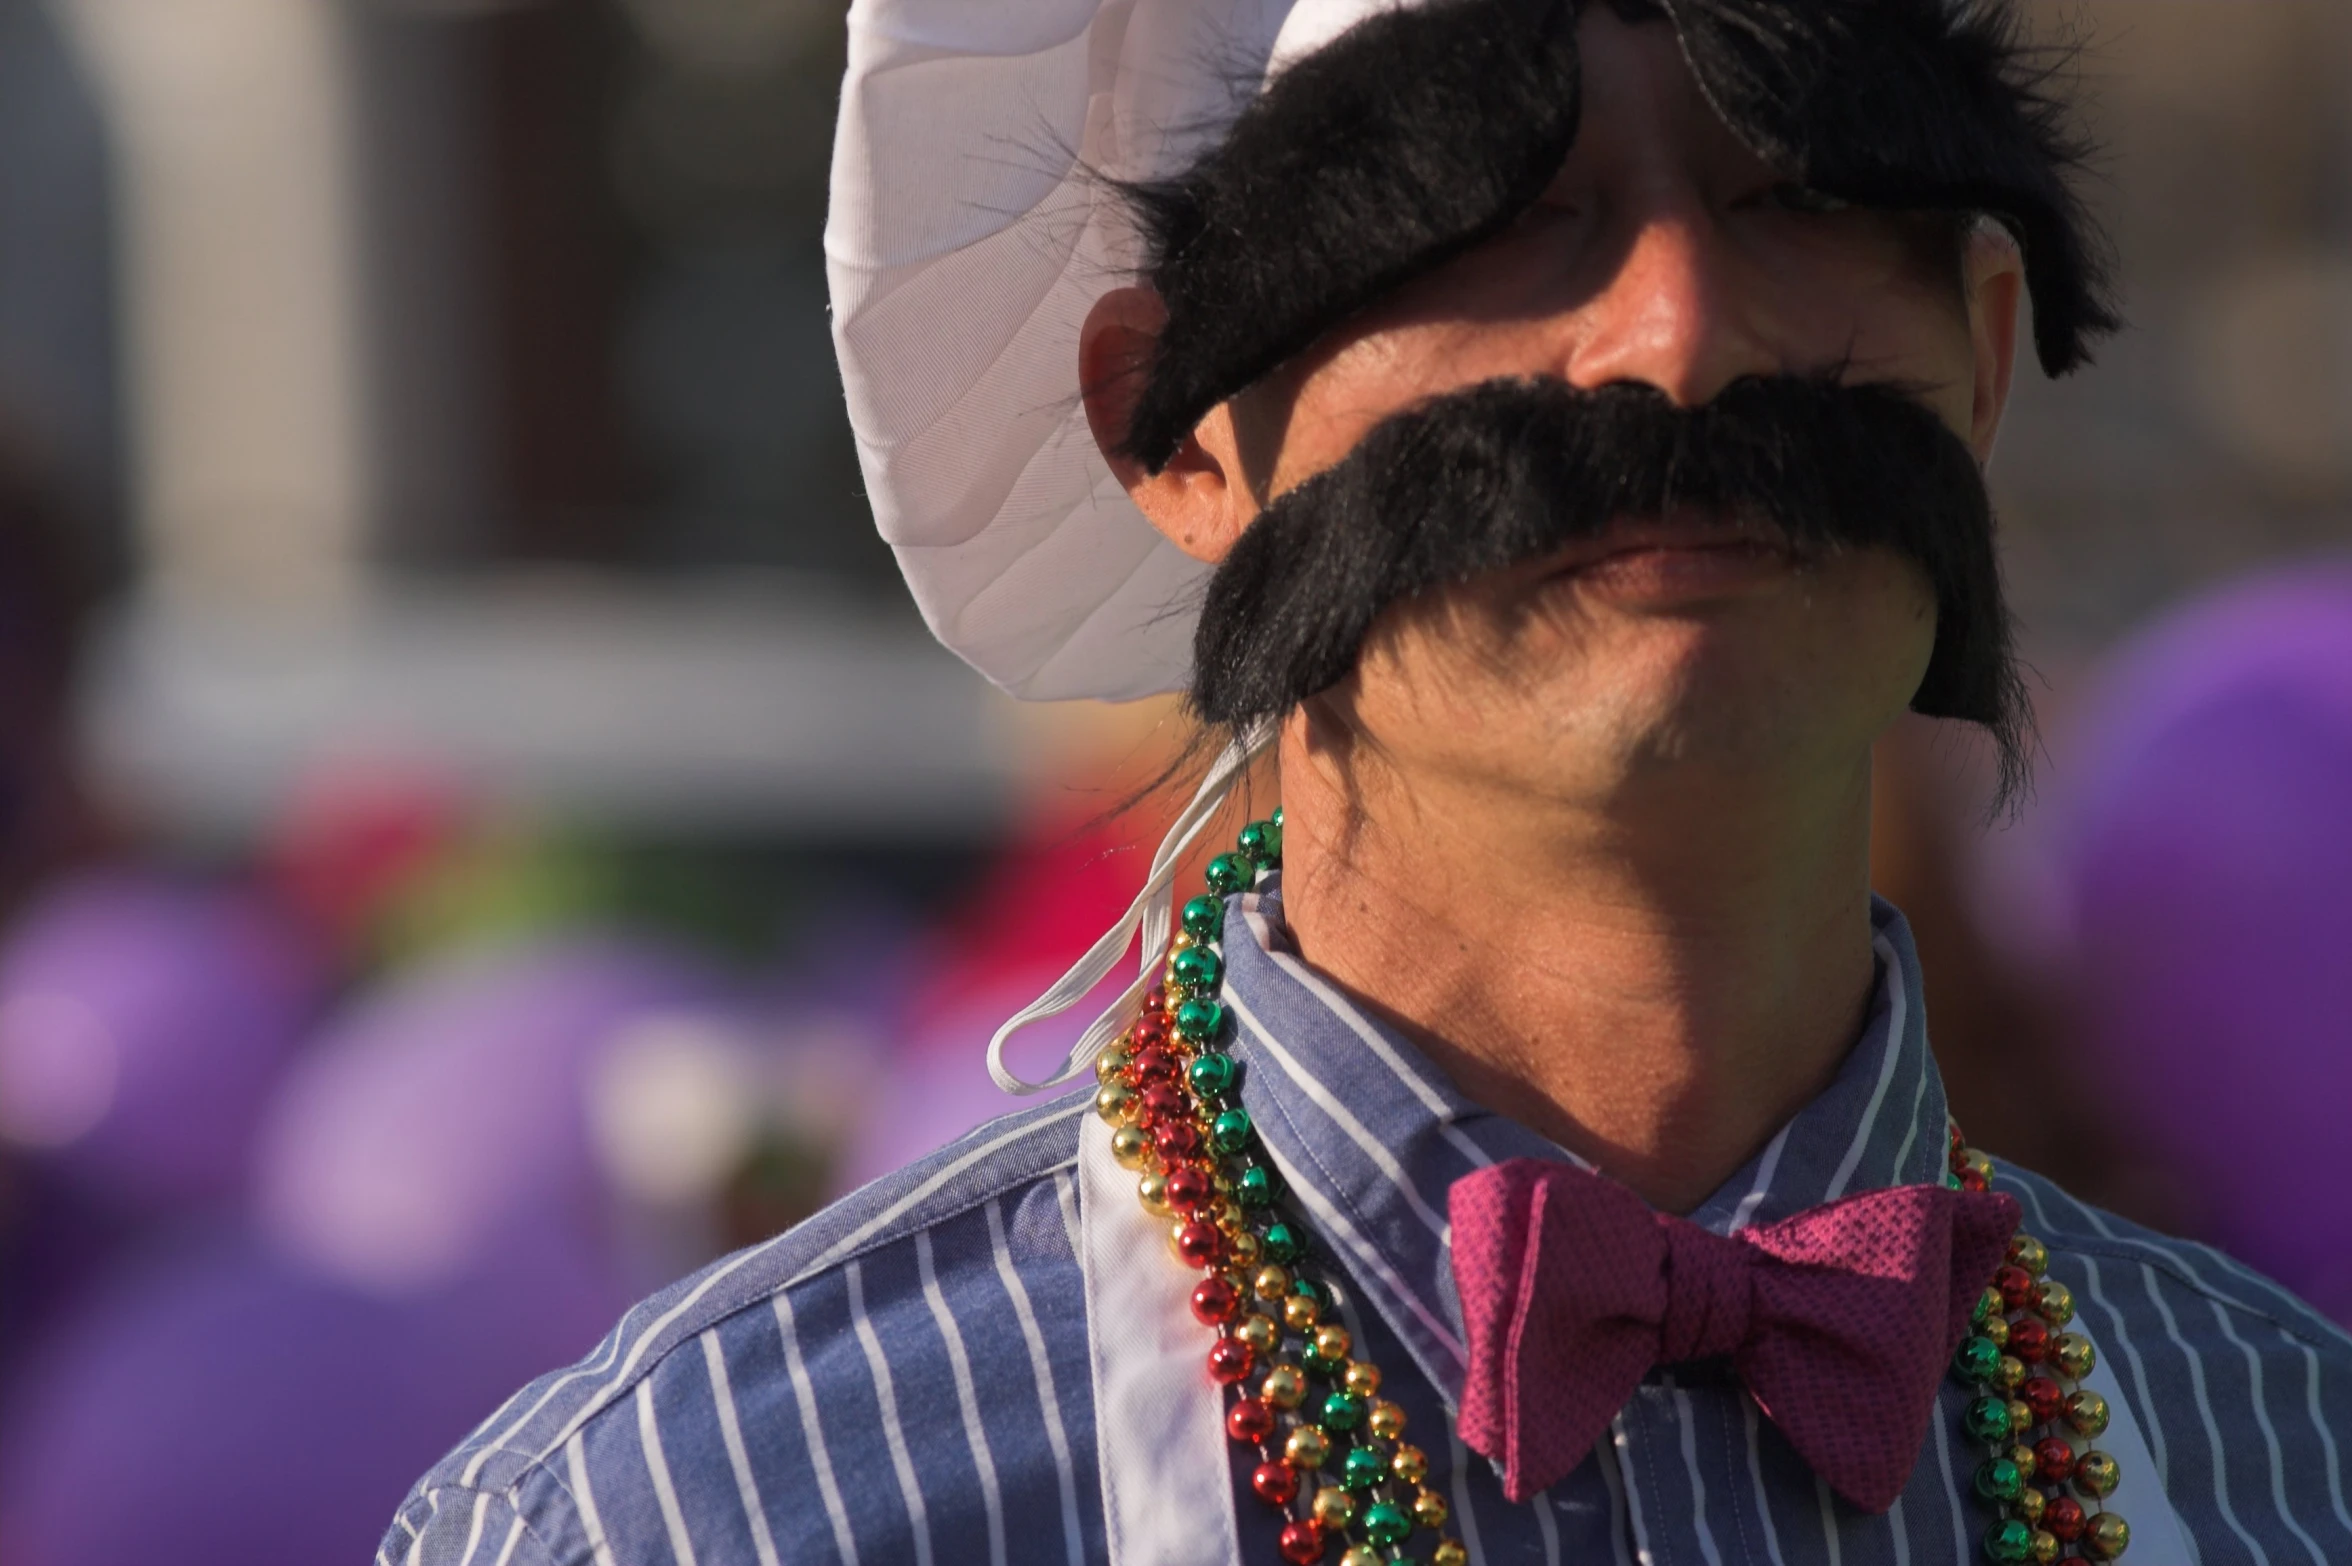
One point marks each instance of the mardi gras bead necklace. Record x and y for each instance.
(1333, 1460)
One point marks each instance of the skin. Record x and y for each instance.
(1594, 832)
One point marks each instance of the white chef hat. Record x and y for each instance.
(974, 223)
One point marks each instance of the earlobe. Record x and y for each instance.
(1197, 500)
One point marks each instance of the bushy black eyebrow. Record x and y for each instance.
(1422, 132)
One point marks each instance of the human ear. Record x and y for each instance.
(1994, 274)
(1199, 499)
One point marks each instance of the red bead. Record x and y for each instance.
(1155, 1000)
(1302, 1543)
(1276, 1483)
(1163, 1103)
(1155, 1064)
(2065, 1518)
(1190, 1187)
(1971, 1180)
(1150, 1031)
(1176, 1138)
(2043, 1396)
(1250, 1421)
(2015, 1284)
(1214, 1301)
(2029, 1339)
(1200, 1244)
(2053, 1460)
(1230, 1359)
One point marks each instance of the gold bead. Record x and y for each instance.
(1429, 1509)
(1386, 1421)
(1285, 1386)
(1333, 1507)
(2030, 1253)
(1271, 1283)
(1259, 1332)
(1131, 1147)
(1332, 1341)
(2088, 1413)
(2023, 1456)
(1410, 1465)
(1244, 1247)
(2096, 1474)
(1117, 1104)
(1997, 1328)
(2020, 1414)
(1300, 1312)
(1361, 1379)
(2045, 1547)
(1181, 941)
(2107, 1537)
(2072, 1353)
(2054, 1302)
(2008, 1373)
(1449, 1553)
(1307, 1447)
(1152, 1191)
(1111, 1065)
(1976, 1163)
(1362, 1555)
(1991, 1308)
(2030, 1503)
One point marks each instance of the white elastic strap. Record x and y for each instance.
(1153, 909)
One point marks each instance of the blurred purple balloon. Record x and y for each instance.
(444, 1115)
(225, 1408)
(2209, 852)
(143, 1022)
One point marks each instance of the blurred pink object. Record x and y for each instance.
(2208, 831)
(143, 1022)
(446, 1114)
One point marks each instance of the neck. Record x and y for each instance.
(1656, 981)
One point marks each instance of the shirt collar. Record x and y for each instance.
(1370, 1136)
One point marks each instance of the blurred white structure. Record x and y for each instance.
(294, 377)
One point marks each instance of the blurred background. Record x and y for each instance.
(483, 831)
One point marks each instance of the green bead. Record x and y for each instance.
(1320, 1368)
(1987, 1419)
(1342, 1411)
(1385, 1523)
(1256, 1188)
(1277, 815)
(1999, 1479)
(1197, 968)
(1974, 1360)
(1230, 1131)
(1230, 873)
(1204, 918)
(2010, 1542)
(1262, 841)
(1308, 1288)
(1283, 1245)
(1211, 1074)
(1199, 1020)
(1363, 1469)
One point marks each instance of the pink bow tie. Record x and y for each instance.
(1840, 1320)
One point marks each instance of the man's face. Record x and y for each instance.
(1666, 254)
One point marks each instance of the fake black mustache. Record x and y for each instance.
(1511, 471)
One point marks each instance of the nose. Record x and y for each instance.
(1674, 315)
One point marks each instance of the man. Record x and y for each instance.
(1568, 423)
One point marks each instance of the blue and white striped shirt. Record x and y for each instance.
(909, 1375)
